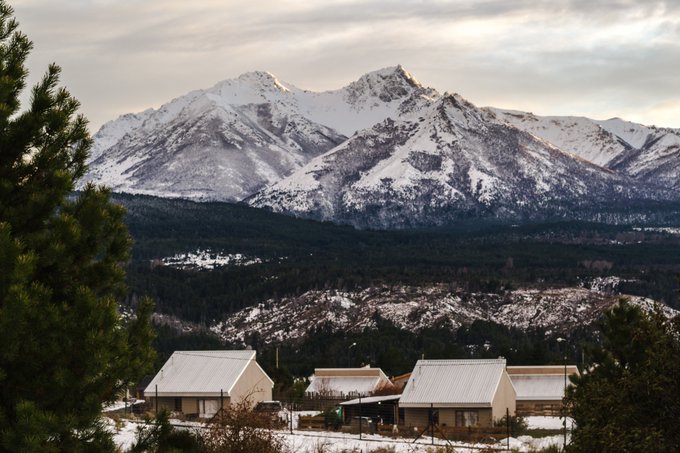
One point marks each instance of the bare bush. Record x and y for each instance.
(239, 429)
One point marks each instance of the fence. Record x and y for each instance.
(384, 418)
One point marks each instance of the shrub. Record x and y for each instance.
(240, 429)
(518, 425)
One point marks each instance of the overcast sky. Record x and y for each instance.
(579, 57)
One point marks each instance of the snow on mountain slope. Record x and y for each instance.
(411, 308)
(229, 141)
(452, 160)
(647, 153)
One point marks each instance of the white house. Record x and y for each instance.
(195, 382)
(457, 393)
(346, 382)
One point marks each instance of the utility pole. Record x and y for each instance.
(349, 352)
(564, 405)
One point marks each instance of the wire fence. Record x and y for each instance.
(377, 420)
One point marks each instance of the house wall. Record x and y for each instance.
(189, 404)
(418, 417)
(252, 384)
(505, 398)
(167, 403)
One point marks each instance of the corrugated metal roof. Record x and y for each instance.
(200, 373)
(469, 383)
(370, 399)
(539, 387)
(343, 385)
(363, 371)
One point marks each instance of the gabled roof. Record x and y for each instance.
(366, 371)
(346, 381)
(453, 383)
(201, 373)
(370, 400)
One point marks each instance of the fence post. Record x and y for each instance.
(432, 422)
(507, 423)
(361, 420)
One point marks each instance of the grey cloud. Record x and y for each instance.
(120, 56)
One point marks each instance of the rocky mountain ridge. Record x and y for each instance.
(291, 319)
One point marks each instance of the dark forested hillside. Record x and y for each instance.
(300, 255)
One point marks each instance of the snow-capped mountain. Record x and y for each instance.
(647, 153)
(229, 141)
(452, 160)
(384, 151)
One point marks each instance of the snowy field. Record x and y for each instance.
(331, 442)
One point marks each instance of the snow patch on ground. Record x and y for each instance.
(309, 442)
(207, 259)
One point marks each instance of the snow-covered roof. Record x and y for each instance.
(538, 387)
(347, 381)
(201, 373)
(453, 383)
(370, 400)
(343, 385)
(540, 382)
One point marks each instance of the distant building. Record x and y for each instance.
(457, 393)
(342, 383)
(195, 382)
(400, 381)
(540, 389)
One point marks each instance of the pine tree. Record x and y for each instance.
(629, 400)
(63, 348)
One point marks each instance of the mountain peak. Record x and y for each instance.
(262, 79)
(393, 73)
(389, 84)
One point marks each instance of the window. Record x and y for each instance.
(467, 418)
(178, 404)
(207, 408)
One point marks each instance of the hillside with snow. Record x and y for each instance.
(413, 309)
